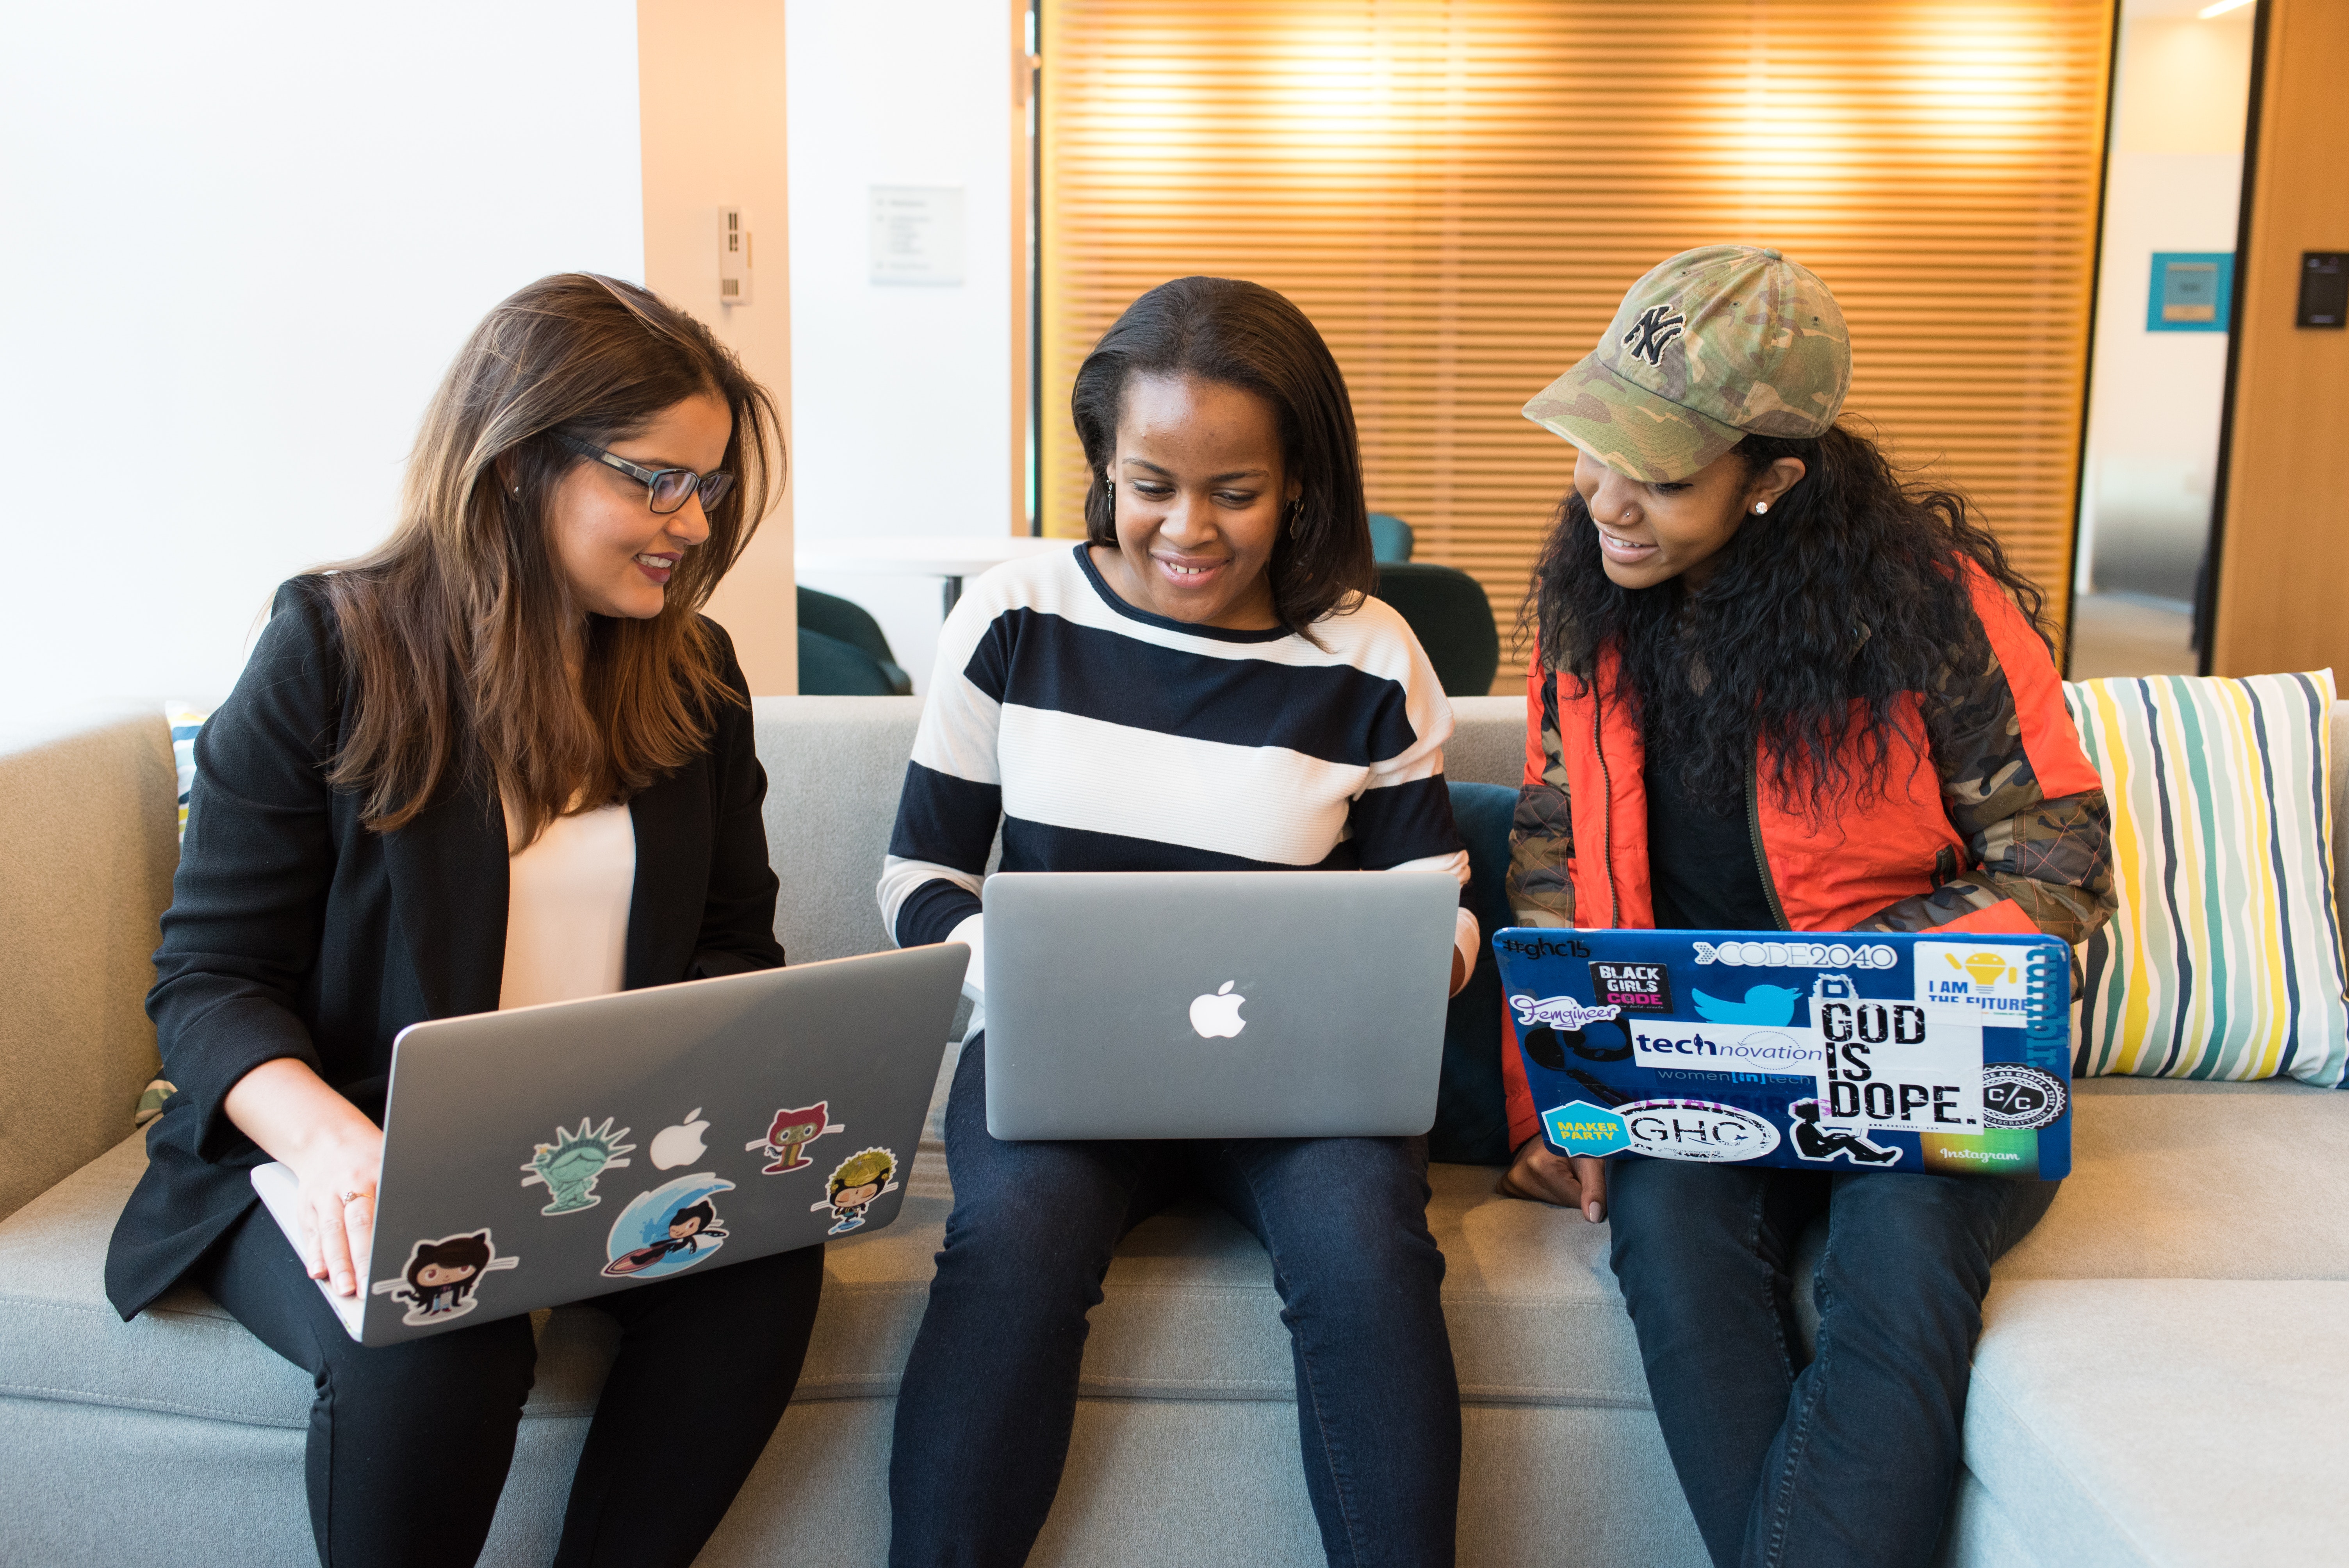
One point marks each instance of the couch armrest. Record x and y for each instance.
(88, 843)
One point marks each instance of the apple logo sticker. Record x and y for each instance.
(681, 1144)
(1215, 1017)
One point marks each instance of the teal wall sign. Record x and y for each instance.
(2192, 291)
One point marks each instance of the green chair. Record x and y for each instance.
(1391, 537)
(1449, 613)
(842, 652)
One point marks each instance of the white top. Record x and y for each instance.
(567, 909)
(1098, 737)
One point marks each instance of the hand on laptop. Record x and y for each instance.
(331, 1147)
(1579, 1182)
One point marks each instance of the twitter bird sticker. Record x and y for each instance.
(1763, 1004)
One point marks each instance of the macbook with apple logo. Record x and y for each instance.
(550, 1154)
(1216, 1003)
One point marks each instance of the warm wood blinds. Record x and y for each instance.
(1459, 193)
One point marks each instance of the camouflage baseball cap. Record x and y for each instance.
(1714, 344)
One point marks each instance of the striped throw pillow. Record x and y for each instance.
(2224, 959)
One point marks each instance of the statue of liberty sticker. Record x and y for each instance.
(568, 1167)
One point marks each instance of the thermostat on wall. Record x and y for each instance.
(2323, 288)
(734, 257)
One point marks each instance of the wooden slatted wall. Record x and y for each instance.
(1458, 193)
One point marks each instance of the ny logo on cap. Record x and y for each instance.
(1653, 333)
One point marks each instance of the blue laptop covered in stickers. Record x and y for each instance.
(1943, 1052)
(549, 1154)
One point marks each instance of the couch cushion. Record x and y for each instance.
(2165, 1421)
(2173, 1180)
(1190, 1311)
(2223, 960)
(59, 1339)
(834, 765)
(2210, 1181)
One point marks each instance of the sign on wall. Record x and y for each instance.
(2192, 291)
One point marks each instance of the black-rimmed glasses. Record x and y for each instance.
(669, 487)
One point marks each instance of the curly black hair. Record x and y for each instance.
(1851, 590)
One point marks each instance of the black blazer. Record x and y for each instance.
(295, 931)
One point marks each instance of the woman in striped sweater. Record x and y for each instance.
(1203, 685)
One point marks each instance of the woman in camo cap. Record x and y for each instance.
(1779, 688)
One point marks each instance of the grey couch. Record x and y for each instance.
(2164, 1378)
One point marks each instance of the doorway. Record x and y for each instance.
(2173, 196)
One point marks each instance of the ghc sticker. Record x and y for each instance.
(1579, 1127)
(1697, 1129)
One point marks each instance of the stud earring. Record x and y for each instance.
(1759, 507)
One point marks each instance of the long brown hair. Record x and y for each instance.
(1244, 335)
(454, 627)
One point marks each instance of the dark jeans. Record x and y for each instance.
(1851, 1457)
(990, 1389)
(409, 1442)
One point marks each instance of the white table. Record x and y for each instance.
(951, 556)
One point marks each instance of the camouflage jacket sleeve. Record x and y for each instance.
(1541, 835)
(2052, 857)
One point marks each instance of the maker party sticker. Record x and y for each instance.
(1699, 1129)
(1579, 1127)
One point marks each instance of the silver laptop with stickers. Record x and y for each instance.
(554, 1154)
(1216, 1003)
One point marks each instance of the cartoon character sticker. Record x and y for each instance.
(792, 1131)
(439, 1283)
(668, 1230)
(1814, 1141)
(567, 1167)
(855, 1182)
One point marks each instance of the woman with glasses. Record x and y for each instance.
(500, 760)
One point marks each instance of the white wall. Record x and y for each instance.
(902, 395)
(710, 83)
(244, 241)
(2173, 183)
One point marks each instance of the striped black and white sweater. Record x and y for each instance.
(1102, 737)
